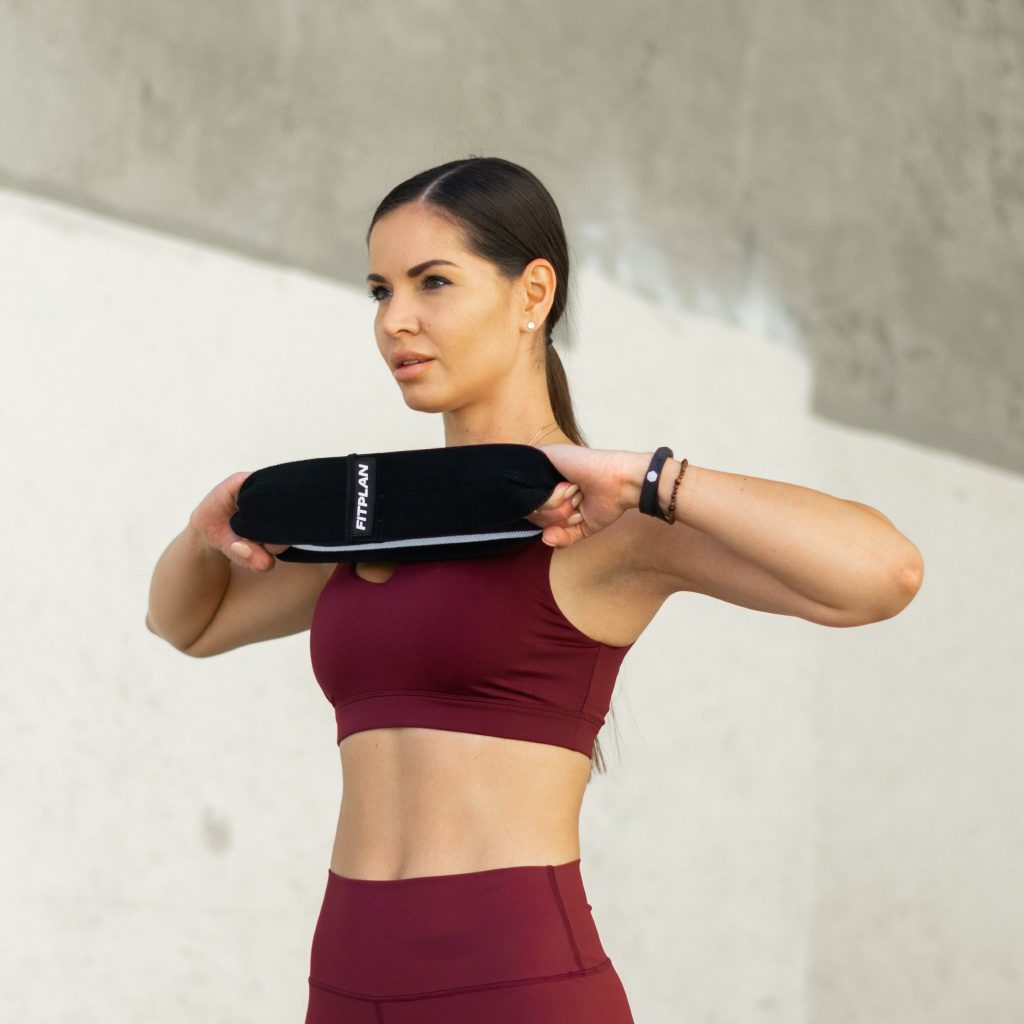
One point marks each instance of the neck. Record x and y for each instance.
(525, 427)
(548, 433)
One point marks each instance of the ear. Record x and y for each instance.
(538, 283)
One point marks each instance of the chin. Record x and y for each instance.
(421, 403)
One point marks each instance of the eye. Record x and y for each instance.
(374, 292)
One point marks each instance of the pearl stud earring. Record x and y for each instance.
(530, 325)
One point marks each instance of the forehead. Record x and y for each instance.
(412, 233)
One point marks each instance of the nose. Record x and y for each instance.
(399, 315)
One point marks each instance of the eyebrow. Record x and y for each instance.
(414, 271)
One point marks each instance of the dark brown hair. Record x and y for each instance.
(509, 218)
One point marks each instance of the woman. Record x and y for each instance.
(454, 890)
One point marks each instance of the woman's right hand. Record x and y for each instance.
(210, 519)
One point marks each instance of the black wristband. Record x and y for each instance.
(649, 490)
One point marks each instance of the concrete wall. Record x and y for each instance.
(799, 824)
(807, 209)
(847, 178)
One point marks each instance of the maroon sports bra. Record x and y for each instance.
(473, 645)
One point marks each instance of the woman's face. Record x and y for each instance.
(462, 315)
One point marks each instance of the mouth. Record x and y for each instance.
(412, 370)
(404, 355)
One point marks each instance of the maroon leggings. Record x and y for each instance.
(502, 946)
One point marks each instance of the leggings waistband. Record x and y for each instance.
(443, 934)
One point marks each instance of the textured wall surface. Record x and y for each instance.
(846, 178)
(799, 825)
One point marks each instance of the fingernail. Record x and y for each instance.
(241, 549)
(576, 518)
(571, 491)
(576, 501)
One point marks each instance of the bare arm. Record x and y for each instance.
(188, 584)
(745, 536)
(213, 591)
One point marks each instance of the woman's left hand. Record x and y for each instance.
(600, 475)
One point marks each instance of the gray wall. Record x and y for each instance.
(846, 177)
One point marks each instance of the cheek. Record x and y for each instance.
(487, 361)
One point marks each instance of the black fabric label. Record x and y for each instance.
(362, 486)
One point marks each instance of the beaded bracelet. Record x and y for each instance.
(671, 517)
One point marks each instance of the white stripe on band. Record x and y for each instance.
(419, 541)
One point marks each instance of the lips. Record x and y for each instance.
(414, 371)
(403, 354)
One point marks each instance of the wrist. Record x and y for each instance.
(635, 466)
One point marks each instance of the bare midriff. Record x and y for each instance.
(421, 802)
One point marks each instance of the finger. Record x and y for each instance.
(560, 494)
(553, 511)
(557, 537)
(251, 554)
(551, 516)
(273, 550)
(241, 551)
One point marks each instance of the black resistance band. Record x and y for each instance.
(423, 505)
